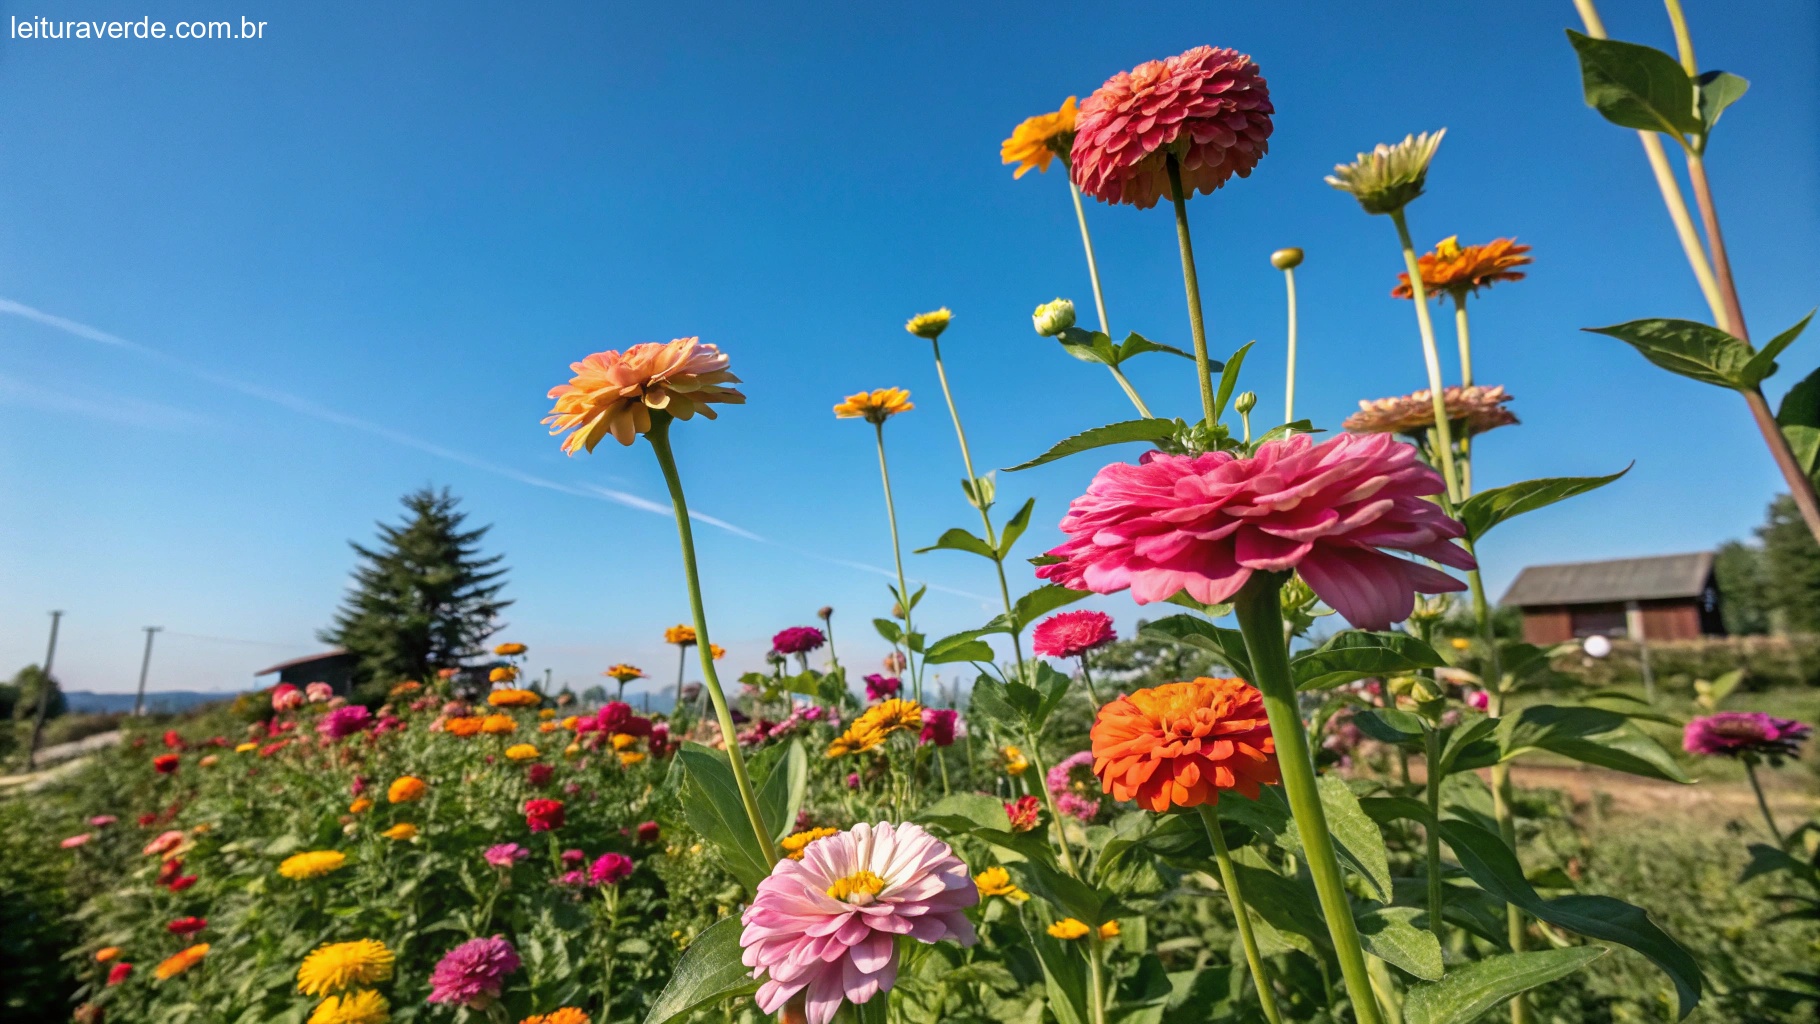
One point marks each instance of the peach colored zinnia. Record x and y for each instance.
(1205, 523)
(1182, 744)
(614, 392)
(1209, 107)
(1475, 409)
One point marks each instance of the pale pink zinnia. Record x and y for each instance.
(1072, 634)
(1205, 523)
(826, 925)
(1209, 107)
(615, 392)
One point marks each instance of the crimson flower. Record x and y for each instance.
(543, 815)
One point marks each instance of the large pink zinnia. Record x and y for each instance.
(472, 973)
(1209, 107)
(826, 925)
(1072, 634)
(1205, 523)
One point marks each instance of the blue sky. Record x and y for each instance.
(299, 276)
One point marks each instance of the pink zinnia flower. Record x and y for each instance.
(617, 716)
(1205, 523)
(504, 855)
(1072, 634)
(647, 831)
(573, 856)
(1070, 798)
(316, 693)
(472, 973)
(1478, 700)
(76, 840)
(1209, 107)
(285, 697)
(1744, 734)
(102, 820)
(344, 721)
(938, 727)
(165, 843)
(880, 687)
(610, 869)
(826, 926)
(1024, 813)
(798, 640)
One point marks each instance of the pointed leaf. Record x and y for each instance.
(1042, 601)
(1360, 654)
(1089, 346)
(1463, 738)
(1015, 527)
(1229, 379)
(1150, 430)
(1226, 644)
(712, 805)
(784, 779)
(1473, 988)
(1487, 509)
(1636, 86)
(957, 539)
(992, 702)
(1137, 344)
(1388, 725)
(1717, 90)
(889, 630)
(962, 646)
(1064, 976)
(1359, 843)
(708, 972)
(1763, 363)
(1691, 349)
(1799, 418)
(1391, 935)
(1590, 735)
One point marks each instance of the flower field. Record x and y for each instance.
(1318, 823)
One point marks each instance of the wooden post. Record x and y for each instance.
(44, 695)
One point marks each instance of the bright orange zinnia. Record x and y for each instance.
(1040, 139)
(181, 961)
(680, 635)
(466, 725)
(615, 392)
(624, 673)
(1456, 269)
(497, 725)
(1180, 744)
(875, 406)
(405, 789)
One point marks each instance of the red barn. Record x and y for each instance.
(1663, 597)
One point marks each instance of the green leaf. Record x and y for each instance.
(1089, 346)
(1590, 735)
(980, 491)
(1064, 976)
(1282, 430)
(1636, 86)
(1137, 344)
(1716, 91)
(712, 805)
(1042, 601)
(1015, 527)
(1226, 644)
(708, 972)
(1495, 868)
(1182, 599)
(1391, 935)
(1466, 741)
(1763, 364)
(1360, 844)
(992, 701)
(1052, 685)
(1360, 654)
(876, 1010)
(1151, 430)
(782, 786)
(889, 630)
(1487, 509)
(1768, 860)
(1473, 988)
(1067, 894)
(1229, 379)
(1287, 904)
(1388, 725)
(1799, 418)
(962, 646)
(957, 539)
(1691, 349)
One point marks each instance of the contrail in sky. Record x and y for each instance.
(317, 411)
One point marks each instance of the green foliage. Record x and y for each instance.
(1637, 86)
(708, 972)
(1487, 509)
(1739, 574)
(1799, 418)
(1791, 563)
(1471, 989)
(1149, 430)
(35, 926)
(23, 695)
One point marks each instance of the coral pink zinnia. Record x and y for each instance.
(826, 925)
(615, 392)
(1072, 634)
(1209, 107)
(1205, 523)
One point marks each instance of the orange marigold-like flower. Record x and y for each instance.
(680, 635)
(405, 789)
(876, 406)
(1180, 744)
(502, 674)
(716, 651)
(514, 698)
(1456, 269)
(614, 392)
(506, 650)
(498, 725)
(464, 726)
(566, 1015)
(794, 843)
(624, 673)
(401, 832)
(181, 961)
(1040, 139)
(1476, 409)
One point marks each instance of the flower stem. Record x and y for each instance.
(1443, 429)
(1260, 614)
(1093, 266)
(659, 436)
(1750, 770)
(682, 666)
(1289, 387)
(897, 553)
(1131, 393)
(1463, 333)
(1229, 879)
(1191, 283)
(1035, 757)
(1431, 833)
(1092, 690)
(1096, 978)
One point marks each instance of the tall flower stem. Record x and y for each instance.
(1229, 880)
(1096, 977)
(897, 554)
(1260, 613)
(1093, 266)
(1750, 770)
(1431, 834)
(1289, 386)
(1092, 690)
(833, 659)
(973, 481)
(1431, 356)
(659, 436)
(1463, 333)
(682, 666)
(1035, 758)
(1191, 283)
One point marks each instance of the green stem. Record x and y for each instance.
(1092, 690)
(897, 554)
(682, 666)
(1431, 356)
(1289, 388)
(659, 436)
(833, 659)
(1229, 879)
(1131, 392)
(1035, 757)
(1750, 769)
(1260, 614)
(1096, 978)
(1191, 283)
(1463, 333)
(1093, 266)
(1432, 834)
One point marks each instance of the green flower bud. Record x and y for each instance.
(1386, 179)
(1052, 318)
(1247, 401)
(1286, 259)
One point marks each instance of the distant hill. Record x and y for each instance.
(87, 702)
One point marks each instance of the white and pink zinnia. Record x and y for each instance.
(826, 926)
(1205, 523)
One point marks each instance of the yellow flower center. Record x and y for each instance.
(857, 888)
(1449, 248)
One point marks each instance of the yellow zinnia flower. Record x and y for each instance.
(626, 673)
(502, 674)
(1109, 930)
(508, 650)
(716, 651)
(313, 864)
(929, 325)
(631, 757)
(514, 698)
(344, 965)
(181, 961)
(996, 881)
(363, 1007)
(498, 725)
(406, 789)
(877, 723)
(547, 713)
(1068, 929)
(1040, 139)
(521, 752)
(571, 722)
(402, 831)
(794, 843)
(1015, 761)
(245, 748)
(621, 741)
(875, 406)
(680, 635)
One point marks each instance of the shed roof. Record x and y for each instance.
(1624, 579)
(338, 652)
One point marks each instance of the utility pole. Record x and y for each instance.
(44, 695)
(145, 666)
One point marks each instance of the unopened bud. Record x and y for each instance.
(1247, 401)
(1052, 318)
(1286, 259)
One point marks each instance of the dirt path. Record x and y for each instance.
(1704, 802)
(58, 761)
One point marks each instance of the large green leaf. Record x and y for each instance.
(1015, 527)
(1763, 364)
(1229, 379)
(1089, 346)
(957, 539)
(1070, 896)
(1636, 86)
(784, 781)
(1136, 344)
(1590, 735)
(1691, 349)
(1151, 430)
(1799, 418)
(1226, 644)
(1042, 601)
(1289, 905)
(1390, 934)
(963, 646)
(1495, 868)
(1487, 509)
(1471, 989)
(711, 803)
(1357, 839)
(1716, 91)
(1355, 654)
(708, 972)
(1064, 976)
(1388, 725)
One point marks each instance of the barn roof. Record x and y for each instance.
(1624, 579)
(305, 660)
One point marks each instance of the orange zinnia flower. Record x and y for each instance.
(179, 962)
(498, 725)
(681, 636)
(1456, 269)
(1180, 744)
(466, 725)
(876, 406)
(1040, 139)
(624, 673)
(614, 392)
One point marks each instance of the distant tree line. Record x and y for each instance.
(1773, 585)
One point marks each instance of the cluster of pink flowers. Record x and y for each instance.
(1070, 781)
(1072, 634)
(473, 973)
(1744, 734)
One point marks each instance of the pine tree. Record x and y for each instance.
(422, 598)
(1791, 564)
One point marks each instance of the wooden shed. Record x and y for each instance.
(1663, 597)
(335, 668)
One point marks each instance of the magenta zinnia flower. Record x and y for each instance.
(880, 687)
(1209, 107)
(938, 727)
(826, 926)
(505, 855)
(610, 869)
(1744, 734)
(798, 640)
(1072, 634)
(1205, 523)
(344, 721)
(472, 973)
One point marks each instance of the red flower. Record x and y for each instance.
(187, 925)
(272, 748)
(539, 775)
(543, 815)
(118, 973)
(647, 831)
(617, 717)
(938, 727)
(147, 820)
(181, 883)
(169, 869)
(1072, 634)
(172, 740)
(1023, 813)
(165, 764)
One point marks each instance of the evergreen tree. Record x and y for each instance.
(422, 598)
(1791, 568)
(1743, 602)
